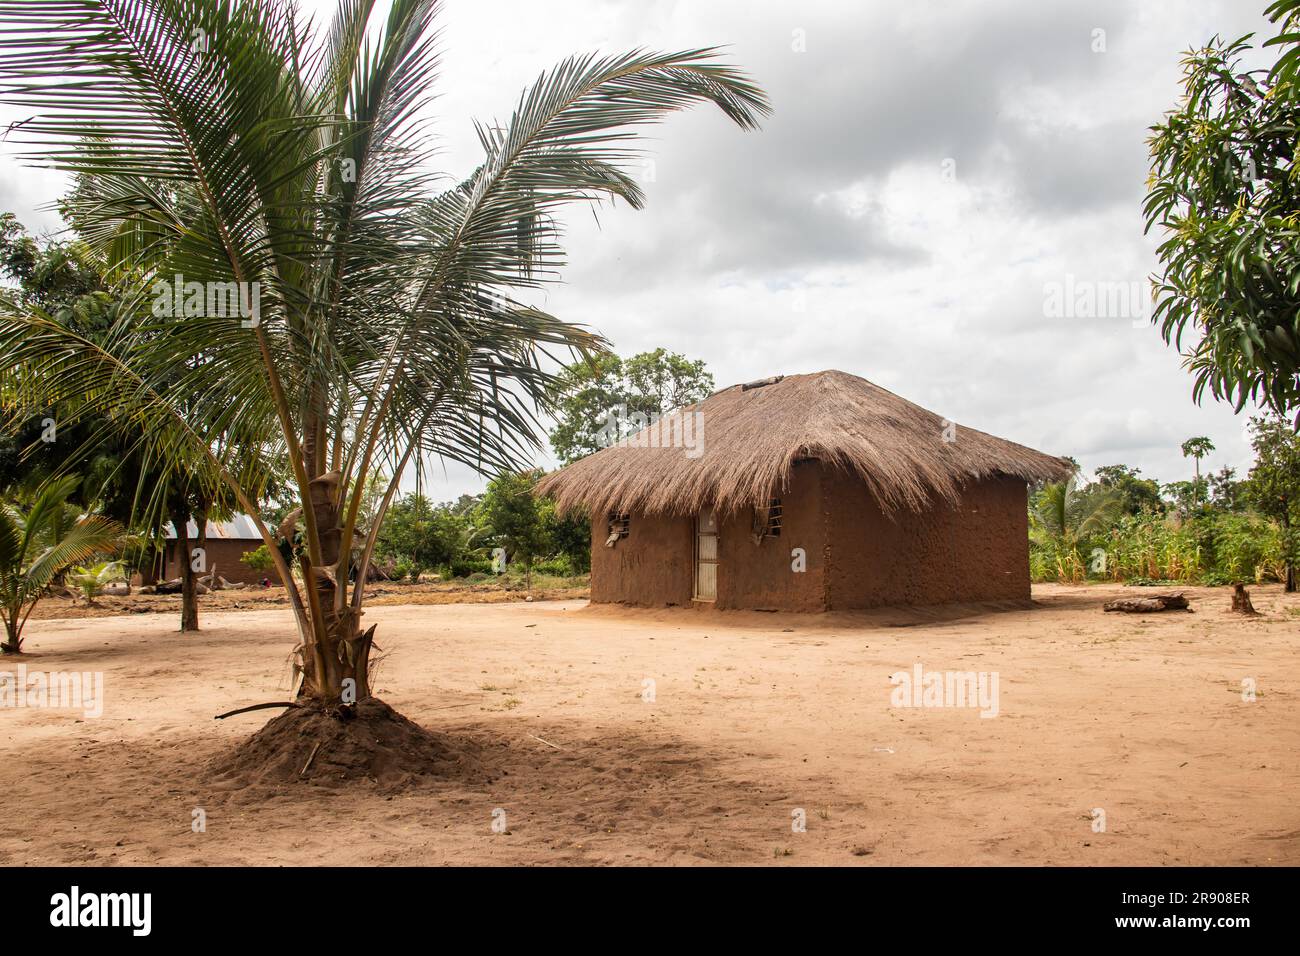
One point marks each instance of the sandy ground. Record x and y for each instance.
(252, 598)
(754, 717)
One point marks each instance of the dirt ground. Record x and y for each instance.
(615, 736)
(377, 595)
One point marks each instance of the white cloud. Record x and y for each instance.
(931, 288)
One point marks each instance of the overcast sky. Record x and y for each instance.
(931, 173)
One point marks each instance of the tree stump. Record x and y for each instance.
(1241, 600)
(1148, 605)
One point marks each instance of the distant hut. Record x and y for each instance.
(227, 543)
(806, 493)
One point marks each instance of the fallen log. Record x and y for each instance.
(1148, 605)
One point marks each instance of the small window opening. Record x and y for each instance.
(774, 518)
(619, 525)
(767, 521)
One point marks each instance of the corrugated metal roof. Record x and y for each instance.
(238, 528)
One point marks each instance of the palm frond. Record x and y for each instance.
(223, 143)
(90, 536)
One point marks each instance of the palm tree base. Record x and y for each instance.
(369, 743)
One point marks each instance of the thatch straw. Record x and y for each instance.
(752, 438)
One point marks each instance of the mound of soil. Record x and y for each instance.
(306, 745)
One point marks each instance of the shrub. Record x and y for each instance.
(259, 559)
(469, 566)
(557, 567)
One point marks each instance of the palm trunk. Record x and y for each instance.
(337, 658)
(149, 569)
(1286, 543)
(13, 638)
(336, 662)
(189, 597)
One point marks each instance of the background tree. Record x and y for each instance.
(648, 383)
(589, 393)
(1223, 190)
(66, 283)
(62, 279)
(1273, 485)
(391, 327)
(190, 501)
(420, 536)
(1172, 532)
(1136, 493)
(465, 505)
(513, 517)
(1226, 492)
(1186, 497)
(57, 276)
(568, 536)
(661, 381)
(1197, 448)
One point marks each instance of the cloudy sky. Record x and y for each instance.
(931, 173)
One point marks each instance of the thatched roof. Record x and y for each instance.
(753, 435)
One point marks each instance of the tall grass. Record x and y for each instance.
(1211, 548)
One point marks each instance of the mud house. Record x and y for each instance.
(807, 493)
(227, 542)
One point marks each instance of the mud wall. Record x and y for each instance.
(653, 566)
(977, 551)
(226, 554)
(856, 556)
(761, 575)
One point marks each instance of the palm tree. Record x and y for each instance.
(1197, 448)
(1062, 516)
(221, 144)
(40, 542)
(92, 581)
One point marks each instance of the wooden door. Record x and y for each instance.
(706, 556)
